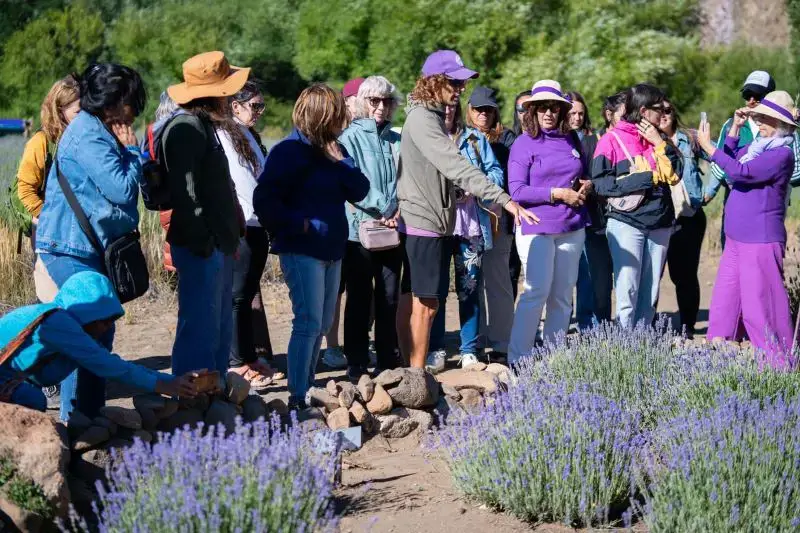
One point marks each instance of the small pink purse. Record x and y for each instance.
(375, 236)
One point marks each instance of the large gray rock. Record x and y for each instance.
(401, 422)
(236, 387)
(446, 407)
(484, 382)
(106, 423)
(184, 417)
(253, 408)
(471, 400)
(93, 437)
(390, 377)
(451, 392)
(127, 418)
(161, 406)
(417, 389)
(279, 406)
(222, 412)
(312, 419)
(149, 419)
(77, 424)
(316, 397)
(199, 403)
(39, 447)
(366, 388)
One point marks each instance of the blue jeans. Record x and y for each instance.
(313, 288)
(595, 280)
(205, 311)
(81, 390)
(468, 255)
(25, 394)
(639, 257)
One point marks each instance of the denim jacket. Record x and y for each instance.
(375, 151)
(691, 170)
(486, 161)
(105, 178)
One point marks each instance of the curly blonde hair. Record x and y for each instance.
(320, 114)
(430, 89)
(63, 92)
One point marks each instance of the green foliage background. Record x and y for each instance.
(594, 46)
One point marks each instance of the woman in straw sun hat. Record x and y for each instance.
(206, 218)
(749, 288)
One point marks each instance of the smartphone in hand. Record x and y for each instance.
(703, 117)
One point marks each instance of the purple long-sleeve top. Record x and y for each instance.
(552, 160)
(757, 204)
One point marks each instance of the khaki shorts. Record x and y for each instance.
(46, 289)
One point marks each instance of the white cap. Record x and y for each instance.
(759, 78)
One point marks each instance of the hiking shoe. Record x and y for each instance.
(334, 358)
(468, 359)
(53, 395)
(354, 373)
(434, 363)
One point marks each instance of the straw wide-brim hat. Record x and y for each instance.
(208, 75)
(545, 90)
(779, 105)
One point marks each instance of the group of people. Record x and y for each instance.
(354, 207)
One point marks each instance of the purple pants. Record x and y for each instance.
(749, 293)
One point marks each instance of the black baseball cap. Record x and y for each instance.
(759, 83)
(482, 97)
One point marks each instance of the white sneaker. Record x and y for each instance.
(434, 362)
(334, 358)
(468, 359)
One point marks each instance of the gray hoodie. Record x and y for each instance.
(430, 167)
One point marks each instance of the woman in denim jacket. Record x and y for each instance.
(471, 238)
(99, 156)
(683, 254)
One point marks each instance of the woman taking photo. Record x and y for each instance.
(98, 157)
(595, 271)
(475, 223)
(545, 174)
(749, 288)
(372, 275)
(206, 224)
(496, 292)
(633, 168)
(245, 161)
(300, 200)
(683, 255)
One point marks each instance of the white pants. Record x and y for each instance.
(550, 264)
(496, 296)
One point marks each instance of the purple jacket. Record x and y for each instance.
(757, 203)
(552, 160)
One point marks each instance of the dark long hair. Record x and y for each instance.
(611, 104)
(247, 156)
(638, 96)
(108, 85)
(586, 126)
(517, 124)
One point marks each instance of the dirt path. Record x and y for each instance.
(388, 487)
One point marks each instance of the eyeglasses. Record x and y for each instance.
(375, 101)
(553, 107)
(667, 110)
(456, 84)
(657, 108)
(485, 109)
(257, 107)
(521, 109)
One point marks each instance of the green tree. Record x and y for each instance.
(48, 48)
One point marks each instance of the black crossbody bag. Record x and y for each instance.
(124, 261)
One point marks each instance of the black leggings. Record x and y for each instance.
(247, 271)
(683, 258)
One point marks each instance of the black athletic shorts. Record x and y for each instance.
(425, 265)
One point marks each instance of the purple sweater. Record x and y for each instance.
(552, 160)
(757, 204)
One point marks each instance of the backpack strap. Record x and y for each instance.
(151, 142)
(9, 350)
(474, 143)
(624, 148)
(83, 221)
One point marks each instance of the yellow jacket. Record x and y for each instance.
(30, 176)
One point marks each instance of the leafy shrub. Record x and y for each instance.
(260, 478)
(29, 496)
(545, 453)
(734, 468)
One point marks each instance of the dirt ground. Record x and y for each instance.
(388, 486)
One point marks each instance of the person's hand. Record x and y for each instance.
(649, 132)
(333, 151)
(706, 199)
(519, 213)
(124, 134)
(35, 220)
(180, 387)
(586, 187)
(390, 222)
(740, 116)
(569, 196)
(704, 138)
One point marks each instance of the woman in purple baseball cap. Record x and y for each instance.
(431, 169)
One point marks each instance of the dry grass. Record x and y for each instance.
(16, 271)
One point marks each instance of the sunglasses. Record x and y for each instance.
(485, 109)
(257, 107)
(667, 110)
(375, 101)
(456, 84)
(553, 107)
(521, 109)
(658, 108)
(751, 96)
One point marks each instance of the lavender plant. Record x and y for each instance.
(734, 468)
(258, 479)
(545, 453)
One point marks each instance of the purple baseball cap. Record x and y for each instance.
(449, 63)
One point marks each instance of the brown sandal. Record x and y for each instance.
(258, 381)
(261, 366)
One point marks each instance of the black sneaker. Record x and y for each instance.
(354, 373)
(498, 357)
(297, 405)
(53, 395)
